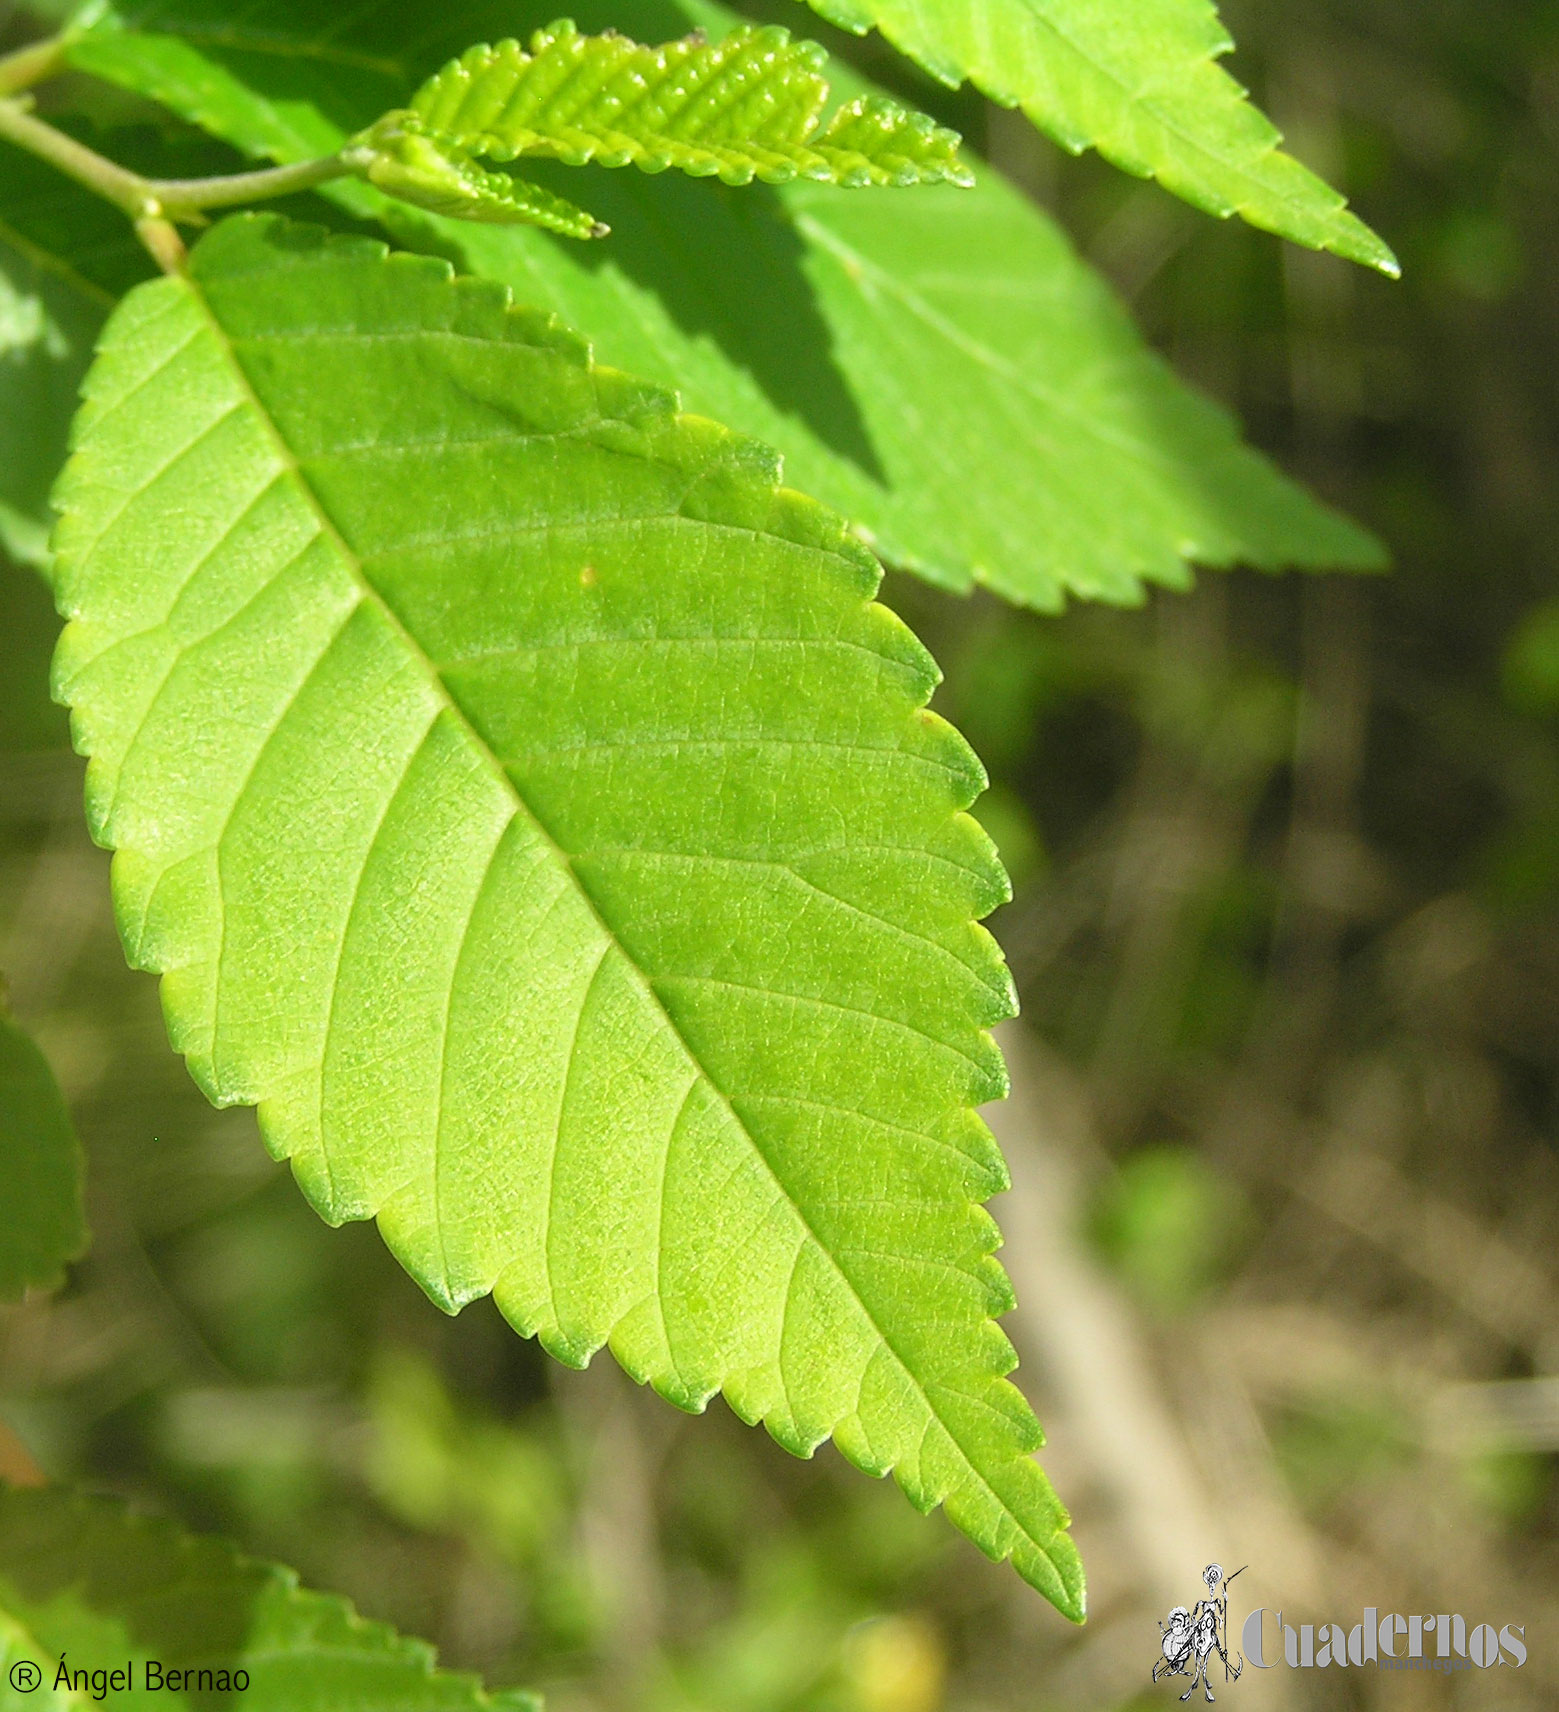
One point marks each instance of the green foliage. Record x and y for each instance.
(1327, 1443)
(746, 107)
(568, 866)
(40, 1167)
(30, 723)
(1531, 663)
(85, 1585)
(1141, 84)
(524, 799)
(938, 366)
(1510, 1486)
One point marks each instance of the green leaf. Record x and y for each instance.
(86, 1586)
(747, 106)
(42, 1227)
(940, 367)
(567, 864)
(432, 173)
(1142, 84)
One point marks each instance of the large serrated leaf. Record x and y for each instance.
(86, 1588)
(41, 1222)
(939, 366)
(1142, 84)
(567, 864)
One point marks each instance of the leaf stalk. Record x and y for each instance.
(126, 190)
(155, 204)
(180, 196)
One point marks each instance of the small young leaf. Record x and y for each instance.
(41, 1222)
(1142, 84)
(87, 1586)
(568, 865)
(435, 174)
(747, 106)
(874, 340)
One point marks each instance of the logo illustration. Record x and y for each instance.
(1190, 1638)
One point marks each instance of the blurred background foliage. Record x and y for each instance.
(1286, 928)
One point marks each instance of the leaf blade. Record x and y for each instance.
(1143, 86)
(688, 1072)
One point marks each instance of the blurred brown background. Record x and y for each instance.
(1286, 927)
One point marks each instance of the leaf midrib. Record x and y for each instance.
(417, 653)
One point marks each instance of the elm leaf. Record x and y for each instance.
(529, 809)
(1140, 83)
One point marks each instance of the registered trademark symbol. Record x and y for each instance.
(25, 1676)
